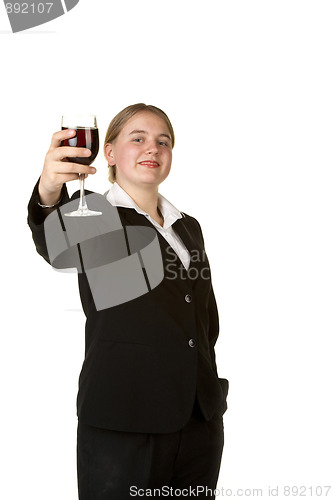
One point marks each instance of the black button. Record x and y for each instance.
(192, 343)
(188, 298)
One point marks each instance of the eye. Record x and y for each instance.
(137, 139)
(163, 143)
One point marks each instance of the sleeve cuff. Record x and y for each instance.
(37, 214)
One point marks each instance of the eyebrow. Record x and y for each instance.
(145, 132)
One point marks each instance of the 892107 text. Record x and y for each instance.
(29, 8)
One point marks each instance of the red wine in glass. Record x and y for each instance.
(86, 137)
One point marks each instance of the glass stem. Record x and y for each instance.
(82, 205)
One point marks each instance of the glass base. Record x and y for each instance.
(84, 212)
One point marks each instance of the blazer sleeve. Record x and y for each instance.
(213, 315)
(37, 216)
(213, 327)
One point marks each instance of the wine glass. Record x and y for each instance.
(86, 137)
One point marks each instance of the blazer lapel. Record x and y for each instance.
(181, 227)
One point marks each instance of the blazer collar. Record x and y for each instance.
(181, 226)
(120, 198)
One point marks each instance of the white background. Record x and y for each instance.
(247, 86)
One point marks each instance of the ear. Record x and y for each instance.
(108, 153)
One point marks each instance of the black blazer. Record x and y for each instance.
(147, 359)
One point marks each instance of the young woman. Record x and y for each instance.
(150, 404)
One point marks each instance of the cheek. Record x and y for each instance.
(126, 156)
(169, 158)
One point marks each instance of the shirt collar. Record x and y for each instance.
(120, 198)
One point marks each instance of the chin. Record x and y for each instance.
(151, 179)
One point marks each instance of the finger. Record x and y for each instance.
(64, 178)
(70, 152)
(60, 136)
(69, 177)
(69, 168)
(77, 176)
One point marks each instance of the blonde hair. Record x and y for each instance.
(121, 119)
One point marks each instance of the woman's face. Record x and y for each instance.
(142, 152)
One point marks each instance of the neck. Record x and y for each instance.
(146, 197)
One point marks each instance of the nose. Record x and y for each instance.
(151, 148)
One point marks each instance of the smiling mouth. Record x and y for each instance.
(151, 164)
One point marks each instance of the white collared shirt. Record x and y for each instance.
(119, 198)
